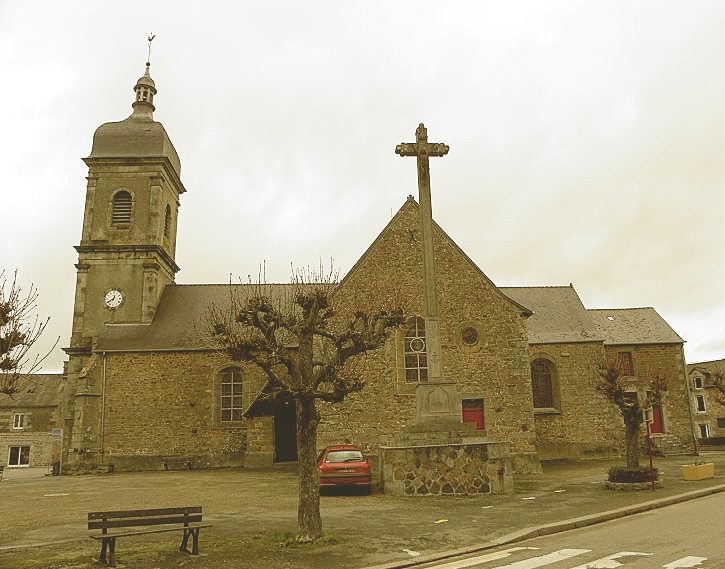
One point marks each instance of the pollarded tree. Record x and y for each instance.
(617, 390)
(20, 328)
(310, 350)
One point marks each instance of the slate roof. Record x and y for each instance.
(708, 367)
(633, 326)
(559, 315)
(35, 390)
(181, 319)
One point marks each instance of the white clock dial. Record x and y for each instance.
(113, 298)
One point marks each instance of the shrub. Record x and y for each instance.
(623, 474)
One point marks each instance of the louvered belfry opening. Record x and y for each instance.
(122, 207)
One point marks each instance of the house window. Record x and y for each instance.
(18, 421)
(19, 456)
(122, 208)
(543, 376)
(704, 431)
(416, 364)
(721, 422)
(624, 363)
(231, 395)
(698, 382)
(700, 401)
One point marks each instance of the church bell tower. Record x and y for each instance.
(126, 255)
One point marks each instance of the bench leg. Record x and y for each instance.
(108, 544)
(112, 552)
(194, 533)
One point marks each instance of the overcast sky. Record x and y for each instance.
(586, 139)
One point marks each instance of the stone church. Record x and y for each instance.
(146, 388)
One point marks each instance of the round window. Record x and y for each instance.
(469, 336)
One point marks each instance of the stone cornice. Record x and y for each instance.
(154, 249)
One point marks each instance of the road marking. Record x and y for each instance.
(58, 494)
(545, 559)
(412, 553)
(609, 561)
(483, 558)
(688, 561)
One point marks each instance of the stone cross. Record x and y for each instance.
(422, 149)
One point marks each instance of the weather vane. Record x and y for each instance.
(150, 38)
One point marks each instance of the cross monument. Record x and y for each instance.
(422, 149)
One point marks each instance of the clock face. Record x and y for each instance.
(113, 298)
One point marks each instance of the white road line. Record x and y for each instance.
(609, 561)
(483, 558)
(545, 559)
(688, 561)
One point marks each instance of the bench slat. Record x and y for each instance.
(130, 533)
(133, 522)
(147, 512)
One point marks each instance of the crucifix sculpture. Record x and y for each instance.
(422, 149)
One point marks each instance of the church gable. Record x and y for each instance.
(394, 261)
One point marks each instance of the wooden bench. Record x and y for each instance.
(146, 519)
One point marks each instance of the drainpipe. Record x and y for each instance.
(103, 404)
(689, 402)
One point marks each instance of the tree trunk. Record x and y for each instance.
(309, 520)
(632, 436)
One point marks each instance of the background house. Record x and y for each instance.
(28, 419)
(707, 400)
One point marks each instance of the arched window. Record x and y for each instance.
(167, 222)
(232, 405)
(122, 208)
(543, 384)
(416, 364)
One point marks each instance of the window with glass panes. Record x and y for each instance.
(231, 394)
(416, 363)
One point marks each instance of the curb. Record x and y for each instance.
(555, 527)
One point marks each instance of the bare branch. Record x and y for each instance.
(20, 329)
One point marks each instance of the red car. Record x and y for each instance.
(343, 466)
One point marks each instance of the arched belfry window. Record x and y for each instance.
(416, 363)
(122, 208)
(167, 222)
(232, 404)
(544, 384)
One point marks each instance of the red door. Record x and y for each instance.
(658, 425)
(473, 412)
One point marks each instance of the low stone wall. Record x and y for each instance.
(462, 469)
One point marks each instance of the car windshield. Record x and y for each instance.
(344, 456)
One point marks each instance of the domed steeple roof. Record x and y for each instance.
(139, 135)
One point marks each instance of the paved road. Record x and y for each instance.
(680, 536)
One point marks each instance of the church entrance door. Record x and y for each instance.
(285, 432)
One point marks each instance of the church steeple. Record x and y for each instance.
(145, 90)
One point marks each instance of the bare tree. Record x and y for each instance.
(718, 382)
(20, 328)
(310, 349)
(614, 387)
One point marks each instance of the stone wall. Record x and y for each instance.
(667, 361)
(164, 406)
(447, 470)
(582, 423)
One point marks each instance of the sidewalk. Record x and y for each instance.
(45, 517)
